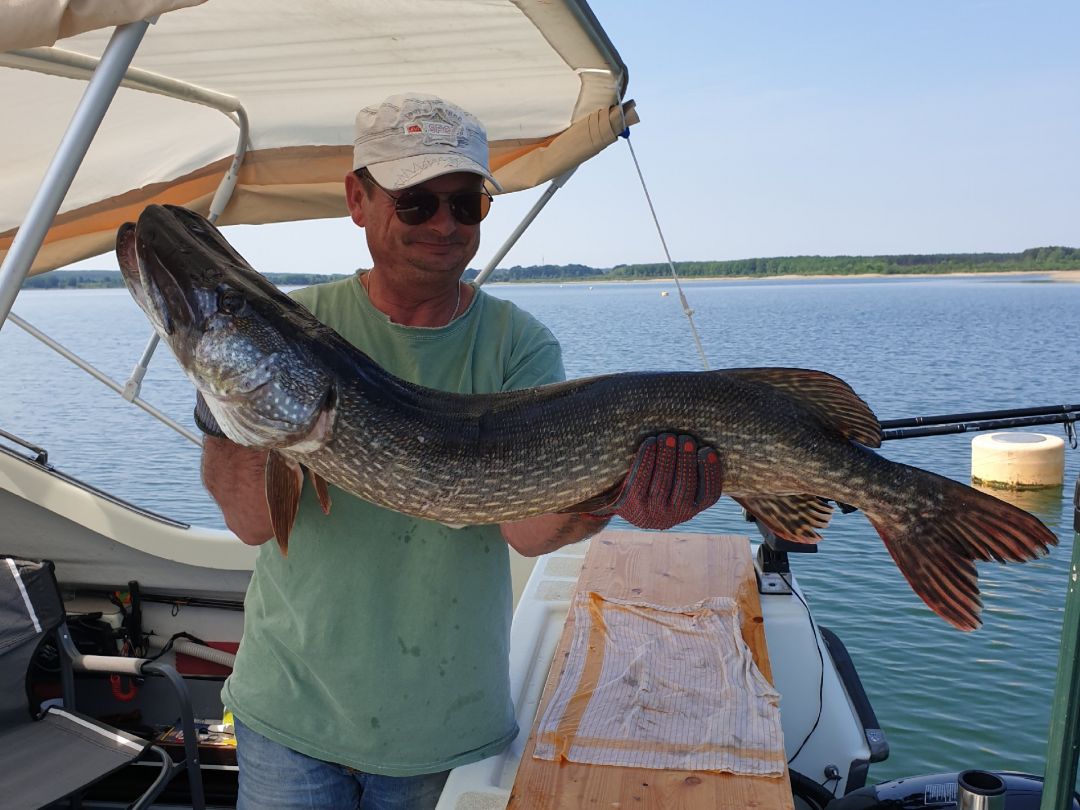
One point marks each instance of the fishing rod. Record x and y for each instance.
(944, 424)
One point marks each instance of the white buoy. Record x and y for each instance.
(1018, 460)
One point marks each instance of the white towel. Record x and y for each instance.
(652, 686)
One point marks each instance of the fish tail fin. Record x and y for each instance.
(937, 536)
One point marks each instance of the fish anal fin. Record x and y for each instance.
(945, 580)
(284, 481)
(322, 492)
(829, 398)
(794, 518)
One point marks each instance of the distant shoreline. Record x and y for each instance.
(1066, 276)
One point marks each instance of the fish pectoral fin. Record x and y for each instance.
(790, 517)
(829, 398)
(322, 492)
(284, 482)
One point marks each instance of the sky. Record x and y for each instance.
(775, 128)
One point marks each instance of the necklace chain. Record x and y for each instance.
(365, 282)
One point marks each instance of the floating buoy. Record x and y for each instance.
(1017, 460)
(663, 293)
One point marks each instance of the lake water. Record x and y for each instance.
(947, 700)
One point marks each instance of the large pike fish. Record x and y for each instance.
(789, 439)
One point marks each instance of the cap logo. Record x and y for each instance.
(437, 133)
(439, 125)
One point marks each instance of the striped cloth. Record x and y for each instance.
(654, 686)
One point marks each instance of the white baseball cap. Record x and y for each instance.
(413, 137)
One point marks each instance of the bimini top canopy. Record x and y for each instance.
(541, 74)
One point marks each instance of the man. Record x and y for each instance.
(374, 656)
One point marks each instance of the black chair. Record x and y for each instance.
(50, 755)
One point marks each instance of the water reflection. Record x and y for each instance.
(1045, 503)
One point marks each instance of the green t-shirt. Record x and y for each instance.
(382, 641)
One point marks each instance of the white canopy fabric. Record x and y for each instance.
(540, 74)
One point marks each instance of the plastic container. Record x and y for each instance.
(1017, 460)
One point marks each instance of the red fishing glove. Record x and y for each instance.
(670, 481)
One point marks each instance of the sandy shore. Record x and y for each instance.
(1049, 275)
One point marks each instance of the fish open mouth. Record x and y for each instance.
(167, 259)
(159, 293)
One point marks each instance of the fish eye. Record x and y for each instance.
(230, 302)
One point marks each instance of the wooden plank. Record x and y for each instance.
(669, 569)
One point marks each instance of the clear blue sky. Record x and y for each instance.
(793, 128)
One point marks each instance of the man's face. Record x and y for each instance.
(441, 245)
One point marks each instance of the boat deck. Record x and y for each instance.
(667, 569)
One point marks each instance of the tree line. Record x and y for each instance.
(1042, 259)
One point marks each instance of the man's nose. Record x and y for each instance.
(443, 221)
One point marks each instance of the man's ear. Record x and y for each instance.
(355, 197)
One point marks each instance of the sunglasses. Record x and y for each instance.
(417, 206)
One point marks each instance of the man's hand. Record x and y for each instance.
(671, 480)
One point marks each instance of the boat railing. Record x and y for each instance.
(41, 455)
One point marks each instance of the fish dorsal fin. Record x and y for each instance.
(828, 397)
(284, 481)
(794, 518)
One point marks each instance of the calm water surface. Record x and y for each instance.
(947, 700)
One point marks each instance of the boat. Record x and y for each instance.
(253, 132)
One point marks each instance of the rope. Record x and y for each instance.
(671, 265)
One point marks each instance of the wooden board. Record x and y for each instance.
(670, 569)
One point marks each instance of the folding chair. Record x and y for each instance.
(49, 755)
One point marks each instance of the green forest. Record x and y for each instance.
(1042, 259)
(1034, 259)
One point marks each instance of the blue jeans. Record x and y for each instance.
(274, 777)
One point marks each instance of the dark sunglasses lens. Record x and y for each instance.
(416, 207)
(470, 207)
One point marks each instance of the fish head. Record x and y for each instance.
(244, 344)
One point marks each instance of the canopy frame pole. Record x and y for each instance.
(69, 155)
(57, 61)
(538, 206)
(1063, 743)
(103, 378)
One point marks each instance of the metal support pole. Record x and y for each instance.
(1063, 746)
(133, 387)
(545, 198)
(69, 155)
(104, 378)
